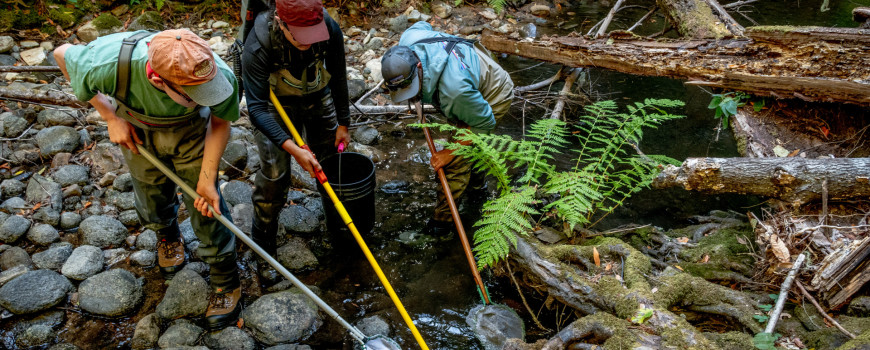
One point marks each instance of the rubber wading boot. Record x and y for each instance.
(223, 308)
(442, 230)
(170, 256)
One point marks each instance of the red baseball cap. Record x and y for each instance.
(304, 19)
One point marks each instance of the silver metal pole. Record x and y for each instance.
(354, 332)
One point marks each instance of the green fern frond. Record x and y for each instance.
(503, 218)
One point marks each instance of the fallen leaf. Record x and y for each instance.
(683, 240)
(87, 204)
(240, 323)
(678, 267)
(4, 166)
(780, 151)
(608, 267)
(779, 249)
(794, 153)
(595, 257)
(705, 259)
(741, 240)
(37, 206)
(825, 131)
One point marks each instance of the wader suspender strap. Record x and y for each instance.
(451, 43)
(123, 79)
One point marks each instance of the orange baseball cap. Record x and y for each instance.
(183, 58)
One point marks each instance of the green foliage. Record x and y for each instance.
(496, 5)
(765, 307)
(765, 341)
(761, 318)
(726, 105)
(606, 171)
(158, 4)
(641, 316)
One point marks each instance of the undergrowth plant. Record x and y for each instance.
(606, 170)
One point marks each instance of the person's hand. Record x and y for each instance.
(124, 134)
(342, 136)
(305, 158)
(441, 158)
(208, 196)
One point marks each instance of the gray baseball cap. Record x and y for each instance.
(399, 68)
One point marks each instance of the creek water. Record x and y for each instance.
(430, 274)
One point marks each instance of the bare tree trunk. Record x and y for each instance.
(772, 61)
(694, 19)
(795, 180)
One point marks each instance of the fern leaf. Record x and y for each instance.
(503, 218)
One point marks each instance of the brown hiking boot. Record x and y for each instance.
(223, 308)
(170, 256)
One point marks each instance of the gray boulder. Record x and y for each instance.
(43, 234)
(295, 255)
(34, 291)
(237, 192)
(374, 325)
(187, 231)
(283, 317)
(62, 116)
(106, 157)
(12, 188)
(13, 228)
(102, 231)
(14, 256)
(147, 240)
(235, 158)
(147, 332)
(35, 336)
(230, 338)
(123, 183)
(111, 293)
(187, 295)
(85, 261)
(297, 218)
(125, 200)
(71, 174)
(12, 125)
(143, 258)
(6, 43)
(860, 306)
(181, 333)
(53, 258)
(129, 218)
(43, 189)
(70, 219)
(48, 215)
(399, 23)
(55, 139)
(148, 20)
(13, 273)
(243, 217)
(366, 135)
(14, 204)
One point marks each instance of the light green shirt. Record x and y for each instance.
(93, 68)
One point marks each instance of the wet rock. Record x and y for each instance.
(55, 139)
(282, 317)
(7, 60)
(13, 273)
(85, 261)
(373, 153)
(6, 43)
(69, 219)
(61, 116)
(147, 240)
(106, 157)
(114, 256)
(366, 135)
(14, 256)
(297, 218)
(123, 183)
(42, 234)
(549, 235)
(297, 197)
(12, 188)
(295, 255)
(34, 56)
(235, 158)
(315, 206)
(236, 192)
(35, 336)
(129, 218)
(107, 179)
(860, 306)
(60, 159)
(43, 189)
(230, 338)
(48, 215)
(124, 201)
(187, 295)
(53, 257)
(199, 267)
(147, 332)
(102, 231)
(71, 174)
(373, 66)
(356, 88)
(13, 228)
(14, 204)
(243, 217)
(22, 156)
(375, 43)
(74, 191)
(396, 187)
(441, 9)
(399, 23)
(111, 293)
(64, 346)
(34, 291)
(809, 316)
(289, 347)
(143, 258)
(13, 125)
(181, 333)
(374, 325)
(529, 30)
(540, 10)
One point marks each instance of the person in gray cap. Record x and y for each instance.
(458, 77)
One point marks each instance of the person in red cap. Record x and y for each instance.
(297, 51)
(175, 98)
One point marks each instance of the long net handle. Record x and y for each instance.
(321, 177)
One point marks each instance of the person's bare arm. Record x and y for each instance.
(216, 138)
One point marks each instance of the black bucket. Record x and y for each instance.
(355, 188)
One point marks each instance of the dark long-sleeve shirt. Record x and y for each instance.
(257, 65)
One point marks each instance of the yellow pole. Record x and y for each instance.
(347, 221)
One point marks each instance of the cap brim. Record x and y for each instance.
(408, 92)
(210, 93)
(311, 34)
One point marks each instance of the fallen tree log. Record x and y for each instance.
(813, 64)
(843, 273)
(54, 97)
(794, 179)
(695, 19)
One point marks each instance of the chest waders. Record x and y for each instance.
(122, 87)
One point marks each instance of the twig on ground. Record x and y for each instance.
(367, 94)
(822, 311)
(523, 297)
(636, 24)
(542, 83)
(783, 294)
(569, 82)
